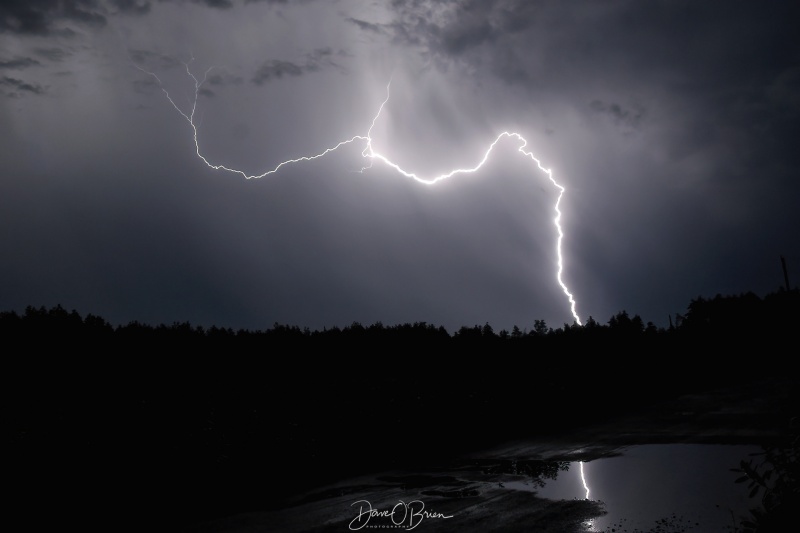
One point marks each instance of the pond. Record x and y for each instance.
(667, 488)
(674, 487)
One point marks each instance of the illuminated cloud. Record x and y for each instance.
(669, 125)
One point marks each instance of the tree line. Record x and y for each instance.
(745, 316)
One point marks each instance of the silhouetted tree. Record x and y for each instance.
(540, 328)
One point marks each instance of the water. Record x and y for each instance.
(679, 487)
(667, 488)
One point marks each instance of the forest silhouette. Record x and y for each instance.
(722, 318)
(169, 424)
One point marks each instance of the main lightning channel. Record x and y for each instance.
(372, 155)
(583, 479)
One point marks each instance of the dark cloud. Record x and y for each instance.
(145, 86)
(630, 118)
(368, 26)
(142, 7)
(53, 54)
(44, 17)
(153, 59)
(281, 2)
(218, 4)
(452, 27)
(323, 57)
(276, 69)
(20, 85)
(19, 63)
(67, 33)
(711, 44)
(460, 31)
(133, 7)
(470, 30)
(516, 16)
(25, 17)
(83, 12)
(729, 67)
(223, 79)
(475, 34)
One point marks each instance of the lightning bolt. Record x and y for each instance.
(372, 155)
(583, 479)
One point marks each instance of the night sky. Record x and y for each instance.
(671, 125)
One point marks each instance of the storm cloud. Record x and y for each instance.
(20, 85)
(18, 63)
(669, 125)
(46, 16)
(277, 69)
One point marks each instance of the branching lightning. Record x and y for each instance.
(372, 155)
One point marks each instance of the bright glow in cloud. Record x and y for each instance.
(370, 153)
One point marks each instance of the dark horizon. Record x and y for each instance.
(752, 308)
